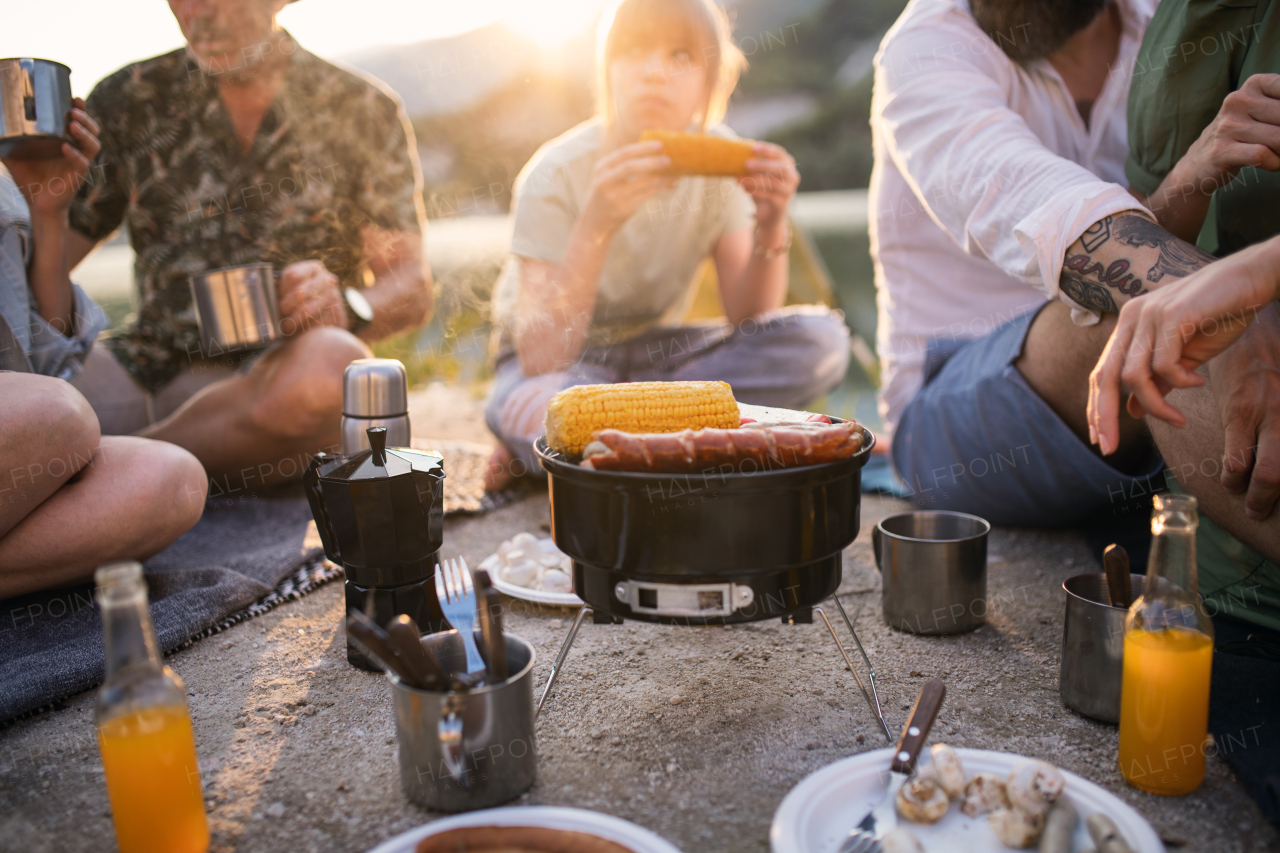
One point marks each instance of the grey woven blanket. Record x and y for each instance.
(245, 556)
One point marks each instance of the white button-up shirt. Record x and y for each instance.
(985, 174)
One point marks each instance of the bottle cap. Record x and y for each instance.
(375, 388)
(119, 581)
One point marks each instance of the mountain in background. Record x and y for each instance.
(483, 102)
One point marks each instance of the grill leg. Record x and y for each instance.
(564, 651)
(874, 705)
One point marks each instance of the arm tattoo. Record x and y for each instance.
(1116, 274)
(1097, 234)
(1177, 258)
(1087, 294)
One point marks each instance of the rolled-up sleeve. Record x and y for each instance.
(62, 356)
(942, 102)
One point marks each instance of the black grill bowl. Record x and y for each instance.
(778, 531)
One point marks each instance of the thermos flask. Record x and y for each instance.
(374, 394)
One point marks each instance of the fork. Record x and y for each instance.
(457, 599)
(868, 835)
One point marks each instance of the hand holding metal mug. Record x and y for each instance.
(309, 296)
(49, 185)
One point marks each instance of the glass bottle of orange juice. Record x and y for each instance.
(1168, 655)
(144, 731)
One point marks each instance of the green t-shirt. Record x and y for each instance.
(1194, 54)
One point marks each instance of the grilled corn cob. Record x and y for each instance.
(702, 153)
(576, 413)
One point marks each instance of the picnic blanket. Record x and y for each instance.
(250, 552)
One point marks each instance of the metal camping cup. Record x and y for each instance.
(236, 308)
(35, 97)
(468, 749)
(1092, 668)
(933, 568)
(375, 393)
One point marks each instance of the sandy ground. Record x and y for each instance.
(694, 733)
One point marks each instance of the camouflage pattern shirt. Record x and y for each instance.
(334, 153)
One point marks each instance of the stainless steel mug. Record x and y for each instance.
(468, 750)
(236, 308)
(1092, 668)
(375, 393)
(35, 97)
(933, 568)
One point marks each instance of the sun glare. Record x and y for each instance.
(550, 23)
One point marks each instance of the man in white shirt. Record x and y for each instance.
(1000, 141)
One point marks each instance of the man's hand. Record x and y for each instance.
(1246, 385)
(50, 185)
(309, 296)
(1245, 133)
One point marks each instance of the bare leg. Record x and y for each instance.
(499, 476)
(1056, 360)
(1194, 454)
(48, 432)
(70, 500)
(262, 427)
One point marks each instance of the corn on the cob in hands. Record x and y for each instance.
(576, 413)
(702, 153)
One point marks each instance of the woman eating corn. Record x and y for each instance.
(611, 231)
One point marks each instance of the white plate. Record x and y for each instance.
(605, 826)
(817, 814)
(561, 599)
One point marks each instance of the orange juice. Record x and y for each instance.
(153, 782)
(1164, 709)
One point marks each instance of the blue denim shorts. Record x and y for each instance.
(976, 438)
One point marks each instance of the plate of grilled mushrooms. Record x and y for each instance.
(961, 801)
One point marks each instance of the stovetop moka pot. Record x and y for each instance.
(380, 514)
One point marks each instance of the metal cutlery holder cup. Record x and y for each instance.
(468, 750)
(1093, 646)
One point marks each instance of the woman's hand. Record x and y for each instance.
(771, 180)
(50, 185)
(1162, 337)
(622, 180)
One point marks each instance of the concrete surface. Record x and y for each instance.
(695, 733)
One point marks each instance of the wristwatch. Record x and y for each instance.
(359, 311)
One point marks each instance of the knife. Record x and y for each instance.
(1115, 562)
(865, 837)
(424, 665)
(375, 643)
(490, 613)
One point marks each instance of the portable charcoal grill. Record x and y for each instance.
(727, 545)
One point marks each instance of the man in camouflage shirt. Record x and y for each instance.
(242, 148)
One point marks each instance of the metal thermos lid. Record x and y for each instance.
(374, 388)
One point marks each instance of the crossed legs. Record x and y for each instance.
(262, 426)
(71, 500)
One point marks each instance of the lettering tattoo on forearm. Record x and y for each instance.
(1174, 258)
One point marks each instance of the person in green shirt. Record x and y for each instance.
(1204, 121)
(1204, 154)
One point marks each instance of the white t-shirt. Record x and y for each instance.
(649, 276)
(984, 174)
